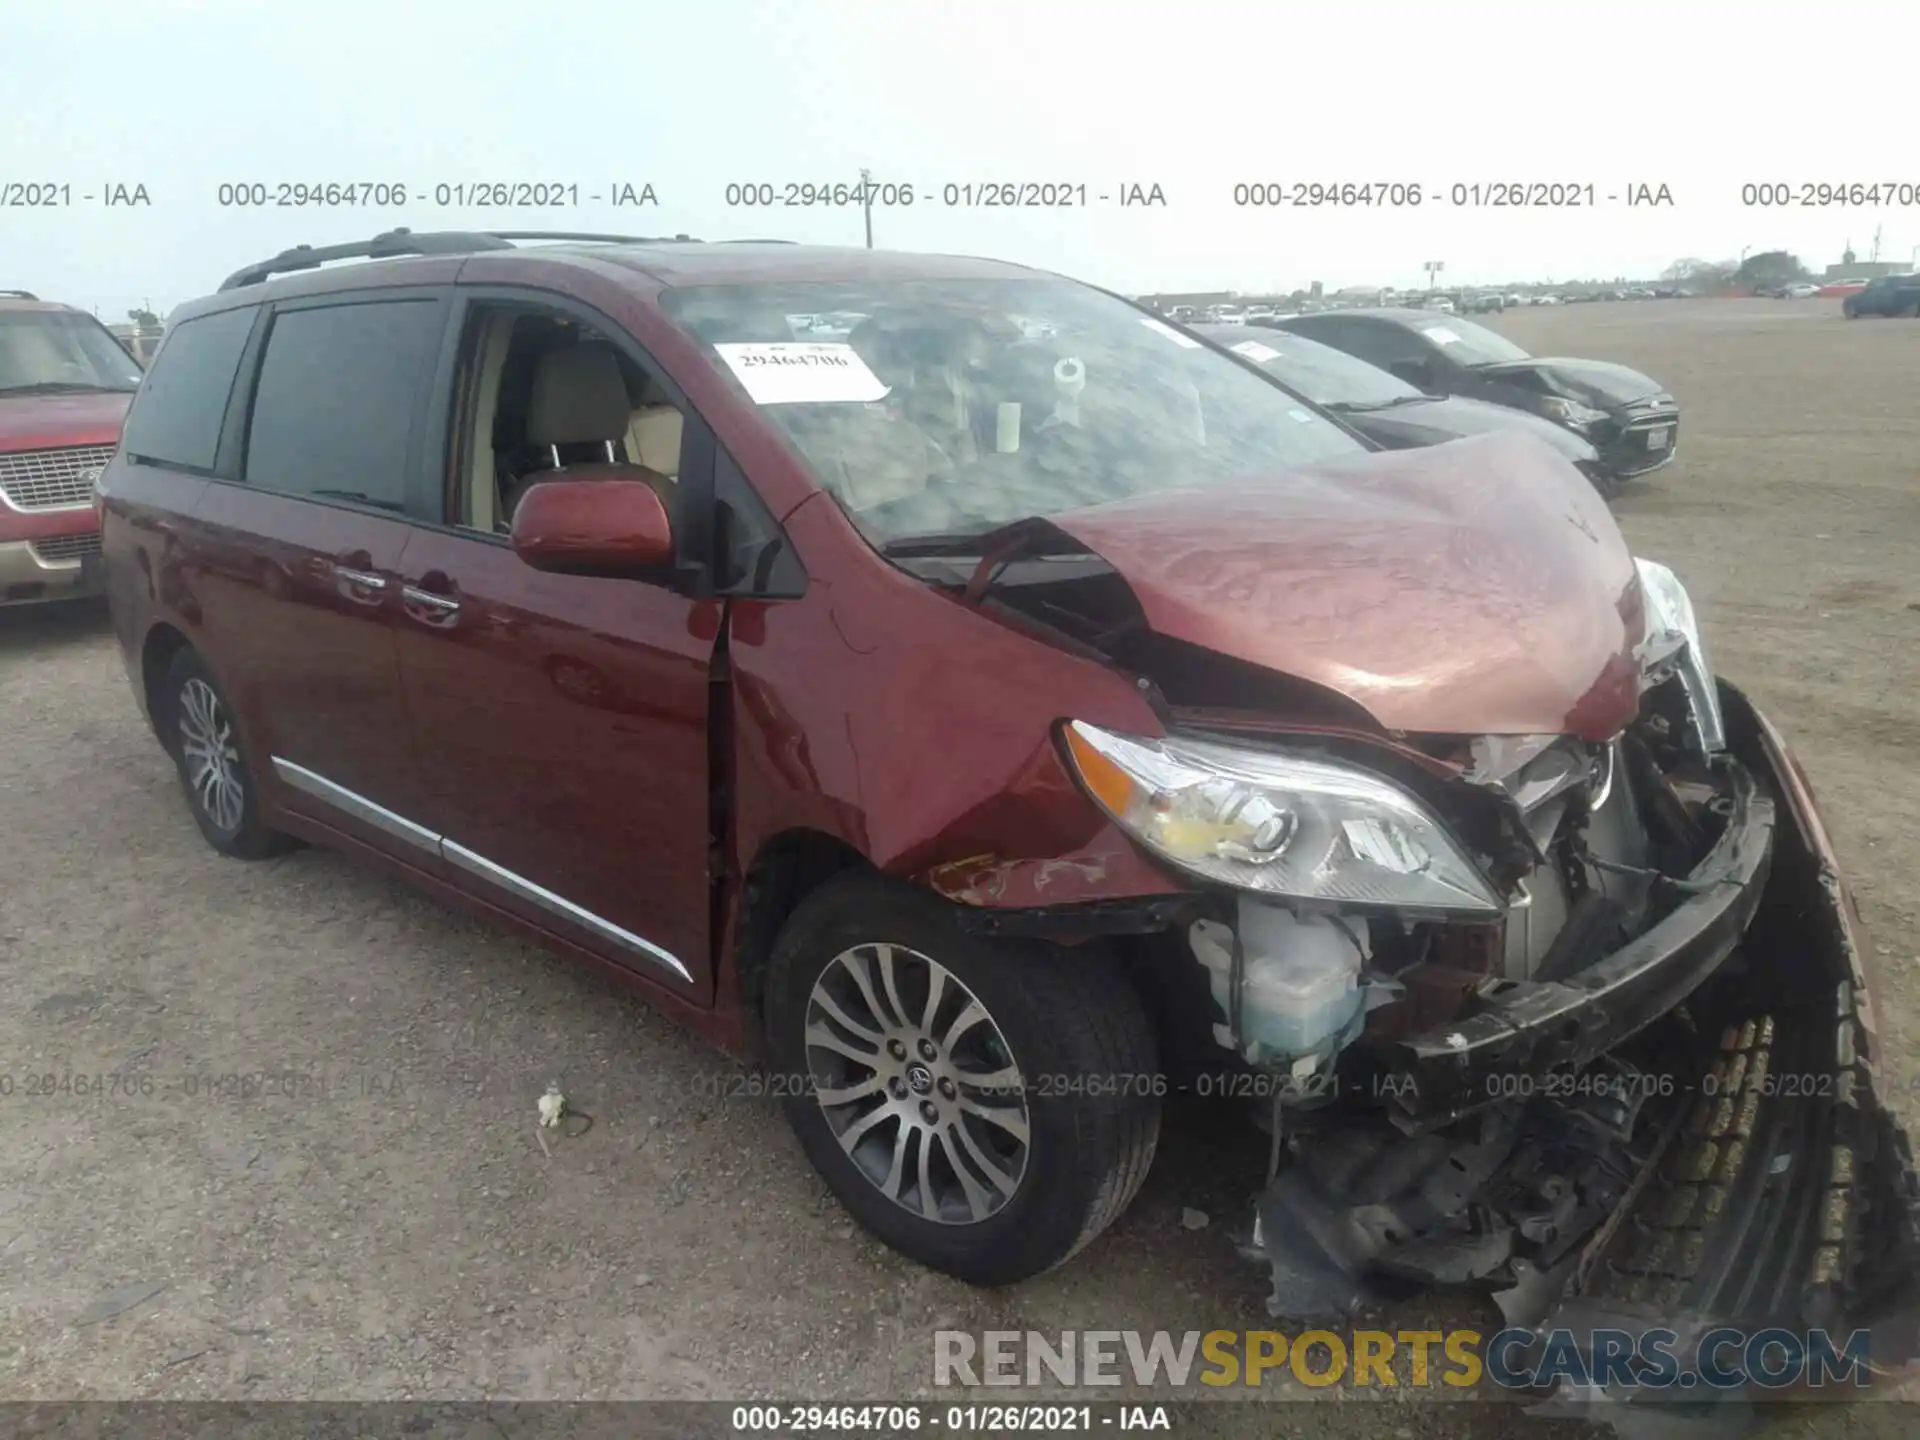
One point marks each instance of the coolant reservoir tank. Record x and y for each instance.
(1300, 978)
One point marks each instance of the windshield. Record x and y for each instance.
(956, 406)
(1323, 374)
(59, 350)
(1471, 344)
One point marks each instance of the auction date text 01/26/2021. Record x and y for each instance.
(58, 192)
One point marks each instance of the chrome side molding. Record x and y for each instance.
(353, 803)
(362, 809)
(477, 864)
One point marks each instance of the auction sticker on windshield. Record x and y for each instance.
(1254, 350)
(1172, 334)
(803, 373)
(1440, 335)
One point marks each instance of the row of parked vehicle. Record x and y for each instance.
(1001, 714)
(1462, 302)
(1415, 377)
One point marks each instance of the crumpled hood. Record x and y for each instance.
(1593, 382)
(50, 422)
(1476, 587)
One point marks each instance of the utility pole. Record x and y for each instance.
(866, 202)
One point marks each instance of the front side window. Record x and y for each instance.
(335, 405)
(1325, 375)
(1377, 342)
(952, 407)
(50, 352)
(545, 393)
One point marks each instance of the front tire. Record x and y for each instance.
(215, 771)
(986, 1107)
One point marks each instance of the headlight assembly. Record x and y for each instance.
(1277, 824)
(1572, 412)
(1673, 641)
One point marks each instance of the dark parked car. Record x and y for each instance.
(1629, 418)
(1011, 713)
(65, 383)
(1884, 295)
(1386, 409)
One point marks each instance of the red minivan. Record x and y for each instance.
(1009, 718)
(64, 387)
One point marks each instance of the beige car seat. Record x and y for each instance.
(580, 398)
(653, 434)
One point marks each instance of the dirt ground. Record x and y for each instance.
(392, 1228)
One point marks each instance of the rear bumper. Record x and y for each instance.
(63, 567)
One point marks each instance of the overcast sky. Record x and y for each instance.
(182, 96)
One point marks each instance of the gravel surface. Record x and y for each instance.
(386, 1225)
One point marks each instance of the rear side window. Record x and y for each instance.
(337, 398)
(176, 419)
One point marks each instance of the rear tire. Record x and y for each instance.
(990, 1183)
(223, 791)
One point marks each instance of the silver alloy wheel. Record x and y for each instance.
(213, 762)
(917, 1083)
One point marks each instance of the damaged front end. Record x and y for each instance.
(1723, 1159)
(1649, 1097)
(1580, 1022)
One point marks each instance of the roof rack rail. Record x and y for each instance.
(385, 246)
(19, 294)
(395, 243)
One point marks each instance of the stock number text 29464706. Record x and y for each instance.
(1831, 194)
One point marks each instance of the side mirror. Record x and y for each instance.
(613, 524)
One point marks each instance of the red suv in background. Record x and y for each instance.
(1012, 713)
(65, 384)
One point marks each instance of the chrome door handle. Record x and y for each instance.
(364, 579)
(414, 595)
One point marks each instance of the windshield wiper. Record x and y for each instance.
(957, 542)
(360, 497)
(1357, 407)
(66, 387)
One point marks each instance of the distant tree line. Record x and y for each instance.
(1769, 267)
